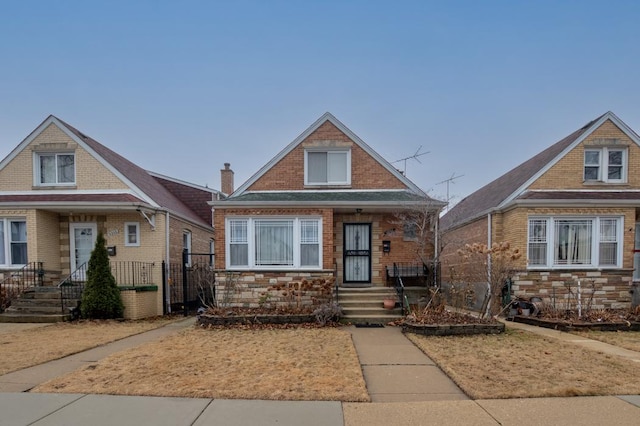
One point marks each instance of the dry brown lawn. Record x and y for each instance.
(624, 339)
(518, 364)
(33, 346)
(277, 364)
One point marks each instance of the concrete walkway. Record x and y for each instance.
(406, 388)
(395, 370)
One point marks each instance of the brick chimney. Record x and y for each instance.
(226, 179)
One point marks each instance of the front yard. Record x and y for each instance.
(33, 346)
(313, 363)
(235, 363)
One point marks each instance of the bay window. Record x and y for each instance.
(574, 242)
(290, 242)
(13, 242)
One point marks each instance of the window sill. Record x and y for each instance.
(49, 187)
(327, 186)
(604, 183)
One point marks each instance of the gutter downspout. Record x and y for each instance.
(489, 230)
(167, 296)
(436, 250)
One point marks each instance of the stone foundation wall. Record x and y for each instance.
(602, 289)
(269, 289)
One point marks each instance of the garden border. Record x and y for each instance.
(204, 319)
(564, 325)
(453, 329)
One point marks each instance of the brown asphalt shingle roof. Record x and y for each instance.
(494, 193)
(140, 178)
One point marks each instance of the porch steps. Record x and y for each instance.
(364, 305)
(38, 304)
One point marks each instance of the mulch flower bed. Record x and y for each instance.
(236, 316)
(598, 320)
(442, 322)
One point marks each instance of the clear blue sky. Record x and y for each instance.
(182, 87)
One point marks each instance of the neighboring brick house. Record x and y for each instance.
(322, 207)
(572, 210)
(59, 188)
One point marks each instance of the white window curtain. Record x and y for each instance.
(274, 242)
(608, 242)
(309, 243)
(537, 254)
(337, 167)
(66, 169)
(18, 242)
(317, 167)
(238, 243)
(573, 242)
(47, 169)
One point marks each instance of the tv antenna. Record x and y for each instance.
(411, 157)
(448, 182)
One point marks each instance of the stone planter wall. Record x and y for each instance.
(612, 287)
(255, 289)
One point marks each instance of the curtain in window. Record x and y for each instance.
(66, 169)
(608, 242)
(337, 167)
(537, 242)
(274, 242)
(18, 243)
(238, 243)
(573, 242)
(317, 164)
(309, 243)
(47, 169)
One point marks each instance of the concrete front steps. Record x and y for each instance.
(38, 304)
(364, 305)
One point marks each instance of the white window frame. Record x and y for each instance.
(550, 239)
(603, 165)
(333, 151)
(127, 243)
(251, 242)
(37, 176)
(5, 225)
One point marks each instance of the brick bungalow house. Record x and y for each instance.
(573, 211)
(59, 188)
(323, 207)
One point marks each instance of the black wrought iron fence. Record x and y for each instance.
(131, 273)
(191, 284)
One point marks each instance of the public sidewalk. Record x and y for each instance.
(404, 384)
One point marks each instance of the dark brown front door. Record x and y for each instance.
(357, 253)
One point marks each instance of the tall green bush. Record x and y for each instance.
(101, 296)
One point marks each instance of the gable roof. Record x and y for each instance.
(144, 186)
(344, 129)
(512, 184)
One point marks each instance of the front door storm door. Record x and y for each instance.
(82, 239)
(357, 252)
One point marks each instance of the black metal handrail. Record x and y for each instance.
(72, 286)
(30, 275)
(399, 286)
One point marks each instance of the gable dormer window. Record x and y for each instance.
(327, 167)
(605, 165)
(55, 168)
